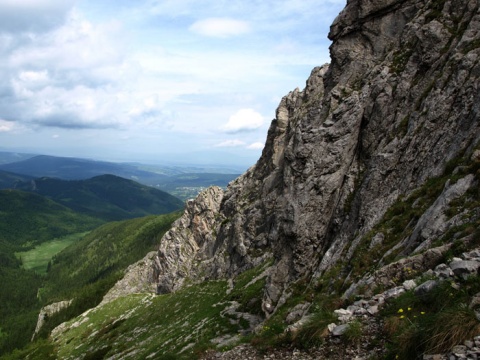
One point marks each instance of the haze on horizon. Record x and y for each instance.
(191, 81)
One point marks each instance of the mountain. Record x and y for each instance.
(28, 219)
(106, 197)
(8, 180)
(183, 182)
(10, 157)
(355, 235)
(75, 169)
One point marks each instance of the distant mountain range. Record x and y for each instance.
(77, 169)
(107, 197)
(182, 182)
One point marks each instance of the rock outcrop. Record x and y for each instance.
(398, 103)
(48, 311)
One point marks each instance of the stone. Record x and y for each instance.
(464, 268)
(393, 293)
(425, 288)
(459, 350)
(409, 284)
(48, 311)
(443, 271)
(372, 310)
(340, 329)
(376, 240)
(297, 312)
(331, 327)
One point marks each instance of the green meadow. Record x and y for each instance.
(37, 258)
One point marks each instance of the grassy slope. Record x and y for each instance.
(28, 220)
(37, 259)
(180, 325)
(86, 270)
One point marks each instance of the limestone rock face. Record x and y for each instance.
(399, 100)
(48, 311)
(190, 240)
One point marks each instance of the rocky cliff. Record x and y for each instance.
(398, 103)
(368, 184)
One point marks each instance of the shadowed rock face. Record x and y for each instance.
(398, 101)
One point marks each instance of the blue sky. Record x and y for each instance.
(153, 80)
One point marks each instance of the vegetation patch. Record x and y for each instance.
(432, 323)
(38, 258)
(400, 219)
(179, 325)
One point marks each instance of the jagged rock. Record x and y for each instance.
(138, 278)
(398, 101)
(192, 234)
(345, 315)
(48, 311)
(443, 271)
(409, 284)
(297, 312)
(340, 329)
(464, 268)
(425, 288)
(475, 302)
(434, 222)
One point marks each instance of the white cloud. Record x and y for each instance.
(231, 143)
(256, 146)
(243, 120)
(220, 27)
(139, 69)
(6, 126)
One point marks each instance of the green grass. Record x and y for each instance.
(37, 259)
(432, 323)
(179, 325)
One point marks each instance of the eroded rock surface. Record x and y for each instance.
(399, 100)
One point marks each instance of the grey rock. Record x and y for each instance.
(376, 240)
(297, 312)
(464, 268)
(340, 329)
(459, 350)
(409, 284)
(372, 126)
(372, 310)
(443, 271)
(48, 311)
(425, 288)
(393, 293)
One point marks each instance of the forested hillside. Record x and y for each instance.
(83, 272)
(107, 197)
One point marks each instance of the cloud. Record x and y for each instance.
(220, 27)
(6, 126)
(231, 143)
(32, 15)
(243, 120)
(256, 146)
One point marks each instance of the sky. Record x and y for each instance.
(154, 81)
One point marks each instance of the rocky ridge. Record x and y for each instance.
(399, 101)
(372, 169)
